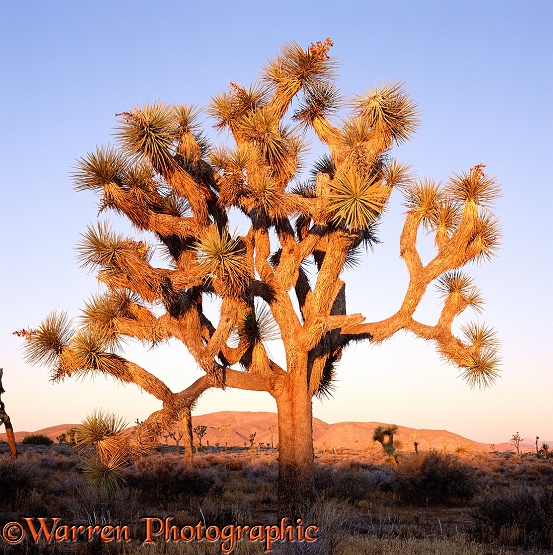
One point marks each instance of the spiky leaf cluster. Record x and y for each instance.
(45, 344)
(221, 258)
(389, 112)
(356, 201)
(462, 286)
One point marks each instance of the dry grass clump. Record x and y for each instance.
(363, 545)
(336, 523)
(521, 517)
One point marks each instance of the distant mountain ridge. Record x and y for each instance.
(348, 435)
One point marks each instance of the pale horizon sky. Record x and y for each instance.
(482, 75)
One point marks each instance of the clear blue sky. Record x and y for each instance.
(482, 74)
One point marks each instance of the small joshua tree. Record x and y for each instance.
(71, 436)
(101, 438)
(385, 436)
(177, 436)
(225, 428)
(272, 429)
(515, 440)
(200, 432)
(251, 439)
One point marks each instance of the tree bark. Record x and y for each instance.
(296, 487)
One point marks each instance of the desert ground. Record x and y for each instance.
(454, 496)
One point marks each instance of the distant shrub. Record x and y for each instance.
(435, 478)
(37, 439)
(517, 518)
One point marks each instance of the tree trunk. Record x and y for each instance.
(188, 441)
(296, 488)
(11, 438)
(5, 419)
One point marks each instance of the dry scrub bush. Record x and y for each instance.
(264, 472)
(37, 439)
(435, 478)
(165, 478)
(515, 517)
(15, 477)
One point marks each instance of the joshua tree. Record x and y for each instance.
(101, 438)
(177, 436)
(385, 436)
(537, 448)
(200, 432)
(225, 428)
(515, 440)
(71, 435)
(167, 179)
(272, 429)
(5, 419)
(251, 439)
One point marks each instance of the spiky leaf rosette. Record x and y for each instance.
(99, 426)
(100, 168)
(324, 165)
(149, 133)
(105, 474)
(474, 186)
(425, 199)
(274, 142)
(396, 174)
(221, 258)
(101, 247)
(231, 166)
(90, 352)
(389, 112)
(460, 284)
(481, 367)
(265, 198)
(257, 325)
(356, 201)
(102, 311)
(486, 238)
(320, 101)
(45, 344)
(295, 68)
(228, 108)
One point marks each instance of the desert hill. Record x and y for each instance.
(348, 435)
